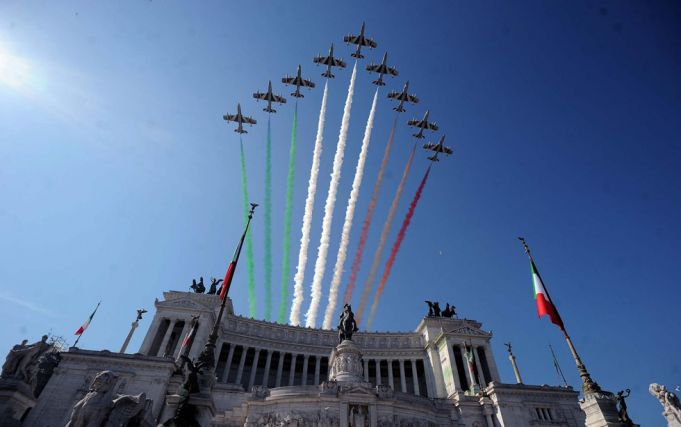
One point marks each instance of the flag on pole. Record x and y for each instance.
(87, 322)
(188, 339)
(227, 282)
(545, 306)
(468, 351)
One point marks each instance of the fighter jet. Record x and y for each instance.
(329, 61)
(240, 119)
(270, 98)
(360, 41)
(298, 81)
(403, 97)
(438, 148)
(381, 69)
(422, 124)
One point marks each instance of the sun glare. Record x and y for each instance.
(16, 73)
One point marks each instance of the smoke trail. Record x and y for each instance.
(285, 265)
(268, 222)
(323, 249)
(298, 290)
(396, 248)
(368, 284)
(369, 215)
(349, 215)
(249, 240)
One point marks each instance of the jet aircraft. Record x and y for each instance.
(403, 97)
(329, 61)
(298, 81)
(422, 124)
(381, 69)
(438, 148)
(240, 119)
(360, 41)
(270, 98)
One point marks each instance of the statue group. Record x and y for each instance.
(434, 310)
(31, 364)
(199, 287)
(101, 407)
(670, 403)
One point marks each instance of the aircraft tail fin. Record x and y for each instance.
(328, 74)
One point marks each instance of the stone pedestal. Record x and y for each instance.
(601, 410)
(346, 363)
(16, 399)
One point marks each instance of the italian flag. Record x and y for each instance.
(87, 322)
(545, 306)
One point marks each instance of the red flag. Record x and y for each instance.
(227, 282)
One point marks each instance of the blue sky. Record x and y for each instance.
(120, 180)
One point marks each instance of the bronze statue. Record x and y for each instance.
(622, 410)
(185, 413)
(45, 367)
(347, 325)
(214, 286)
(449, 311)
(198, 288)
(22, 360)
(140, 312)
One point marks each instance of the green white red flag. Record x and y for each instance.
(84, 326)
(545, 306)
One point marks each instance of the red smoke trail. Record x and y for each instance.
(367, 219)
(396, 248)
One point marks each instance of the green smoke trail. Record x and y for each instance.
(249, 240)
(268, 223)
(285, 267)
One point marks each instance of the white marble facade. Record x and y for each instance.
(271, 374)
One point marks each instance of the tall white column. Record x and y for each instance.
(151, 336)
(317, 369)
(305, 361)
(166, 338)
(185, 328)
(240, 371)
(268, 361)
(292, 374)
(478, 366)
(230, 356)
(378, 371)
(491, 363)
(254, 368)
(280, 368)
(415, 377)
(403, 380)
(390, 374)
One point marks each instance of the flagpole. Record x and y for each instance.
(589, 386)
(207, 356)
(557, 366)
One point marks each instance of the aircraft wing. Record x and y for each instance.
(432, 126)
(438, 148)
(249, 120)
(322, 60)
(279, 99)
(350, 39)
(288, 80)
(395, 95)
(374, 67)
(416, 123)
(413, 99)
(307, 83)
(338, 63)
(369, 42)
(391, 71)
(230, 117)
(260, 95)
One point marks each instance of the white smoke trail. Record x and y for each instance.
(349, 215)
(323, 249)
(298, 290)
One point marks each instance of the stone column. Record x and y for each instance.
(280, 368)
(185, 328)
(415, 377)
(268, 361)
(254, 368)
(491, 363)
(467, 371)
(230, 356)
(305, 361)
(378, 371)
(150, 336)
(292, 374)
(242, 362)
(166, 338)
(366, 370)
(317, 369)
(481, 374)
(403, 380)
(390, 374)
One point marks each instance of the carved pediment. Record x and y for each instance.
(184, 304)
(467, 330)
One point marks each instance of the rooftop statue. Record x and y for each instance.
(21, 362)
(199, 288)
(669, 401)
(214, 286)
(347, 325)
